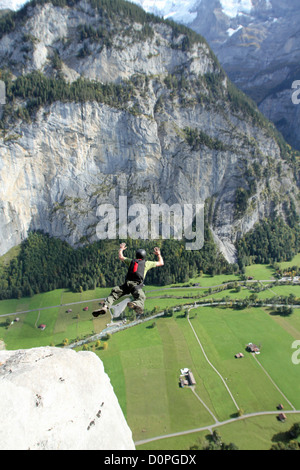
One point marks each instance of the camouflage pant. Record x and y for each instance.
(128, 288)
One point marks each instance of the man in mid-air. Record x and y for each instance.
(134, 282)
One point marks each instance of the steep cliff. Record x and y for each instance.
(169, 127)
(57, 399)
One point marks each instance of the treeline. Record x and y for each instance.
(197, 138)
(270, 241)
(38, 90)
(46, 263)
(288, 440)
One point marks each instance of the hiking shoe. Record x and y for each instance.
(137, 309)
(101, 311)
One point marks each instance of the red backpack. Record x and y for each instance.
(136, 270)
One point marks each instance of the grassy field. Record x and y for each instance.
(144, 362)
(60, 324)
(144, 365)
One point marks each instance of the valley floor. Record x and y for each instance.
(204, 330)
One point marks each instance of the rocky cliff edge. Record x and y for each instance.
(57, 399)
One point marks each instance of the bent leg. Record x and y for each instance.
(139, 298)
(116, 293)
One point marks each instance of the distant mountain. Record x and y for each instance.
(185, 11)
(257, 43)
(182, 12)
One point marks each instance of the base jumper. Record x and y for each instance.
(134, 282)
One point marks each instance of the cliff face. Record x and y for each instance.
(179, 137)
(55, 399)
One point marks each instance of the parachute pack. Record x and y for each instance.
(136, 270)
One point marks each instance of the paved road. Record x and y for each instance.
(212, 426)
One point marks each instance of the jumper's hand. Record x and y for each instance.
(121, 249)
(160, 261)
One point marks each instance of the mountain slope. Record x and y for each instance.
(105, 100)
(257, 44)
(260, 53)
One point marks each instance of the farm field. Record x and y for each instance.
(153, 357)
(60, 324)
(144, 361)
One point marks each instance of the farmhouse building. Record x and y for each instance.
(183, 382)
(252, 348)
(191, 378)
(186, 378)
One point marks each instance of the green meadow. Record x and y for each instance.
(144, 365)
(144, 361)
(60, 323)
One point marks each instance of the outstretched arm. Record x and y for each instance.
(121, 249)
(160, 261)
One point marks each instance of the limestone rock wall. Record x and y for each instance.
(57, 399)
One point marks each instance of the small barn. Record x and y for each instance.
(42, 326)
(85, 309)
(239, 355)
(281, 417)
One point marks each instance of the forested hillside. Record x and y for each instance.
(45, 263)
